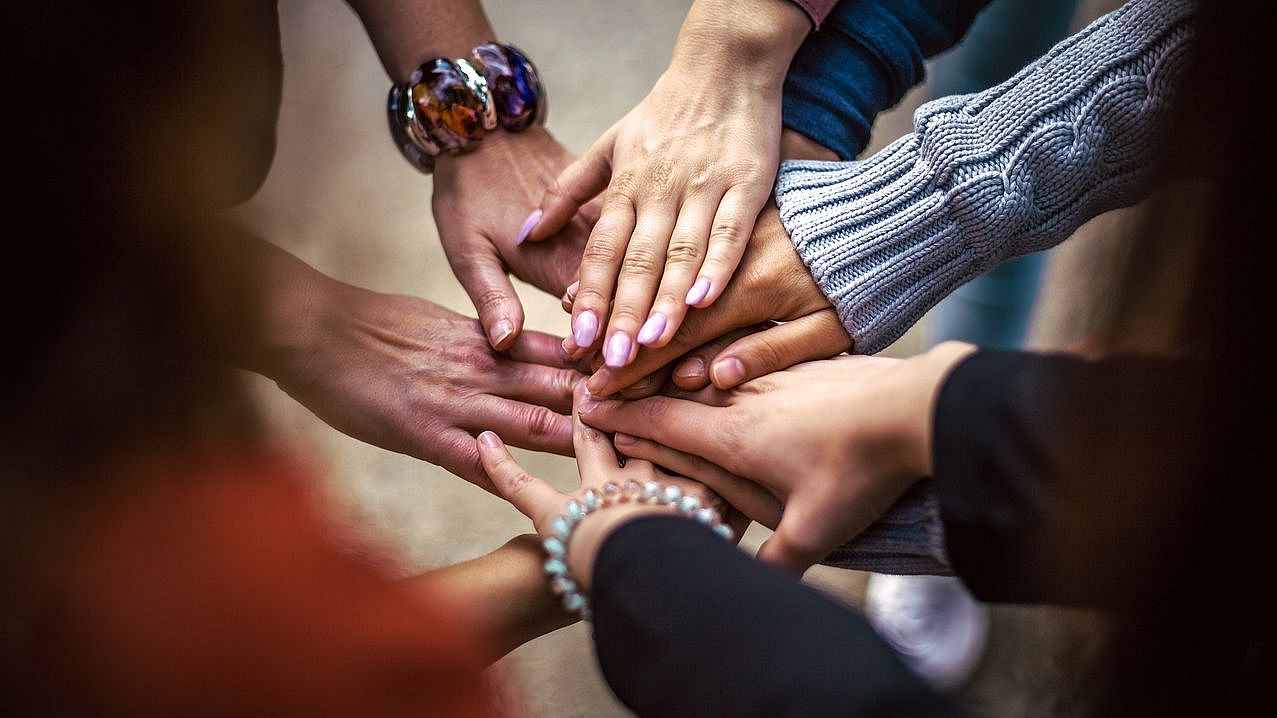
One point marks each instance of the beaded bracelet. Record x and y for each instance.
(449, 105)
(561, 528)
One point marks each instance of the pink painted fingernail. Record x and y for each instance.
(490, 440)
(529, 224)
(585, 328)
(617, 352)
(652, 329)
(727, 372)
(698, 292)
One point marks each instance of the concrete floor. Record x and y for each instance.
(341, 198)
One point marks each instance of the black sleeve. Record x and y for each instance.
(1059, 477)
(687, 625)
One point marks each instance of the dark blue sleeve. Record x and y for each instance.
(865, 57)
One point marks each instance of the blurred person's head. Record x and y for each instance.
(125, 298)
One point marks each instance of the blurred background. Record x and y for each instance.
(340, 197)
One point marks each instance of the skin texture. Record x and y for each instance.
(835, 442)
(683, 176)
(409, 375)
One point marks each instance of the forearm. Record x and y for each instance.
(408, 32)
(503, 593)
(751, 40)
(990, 176)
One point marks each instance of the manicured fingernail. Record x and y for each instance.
(617, 352)
(500, 332)
(585, 328)
(693, 368)
(571, 292)
(529, 224)
(652, 329)
(624, 440)
(727, 372)
(490, 440)
(698, 292)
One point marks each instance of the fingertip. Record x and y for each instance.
(529, 225)
(489, 439)
(502, 334)
(727, 372)
(699, 291)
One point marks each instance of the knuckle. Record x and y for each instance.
(683, 250)
(623, 187)
(602, 247)
(489, 298)
(541, 422)
(640, 261)
(727, 231)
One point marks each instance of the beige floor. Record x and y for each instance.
(341, 198)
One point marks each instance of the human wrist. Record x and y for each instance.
(294, 305)
(794, 145)
(583, 550)
(751, 40)
(573, 537)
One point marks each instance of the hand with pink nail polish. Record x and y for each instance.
(406, 374)
(477, 207)
(837, 442)
(772, 285)
(683, 177)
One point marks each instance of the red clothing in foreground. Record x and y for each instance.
(216, 589)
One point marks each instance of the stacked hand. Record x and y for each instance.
(408, 375)
(686, 173)
(833, 443)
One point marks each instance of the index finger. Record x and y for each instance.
(687, 426)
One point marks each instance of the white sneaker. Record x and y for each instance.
(933, 622)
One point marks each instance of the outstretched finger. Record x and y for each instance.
(500, 312)
(575, 186)
(596, 460)
(683, 260)
(533, 497)
(733, 225)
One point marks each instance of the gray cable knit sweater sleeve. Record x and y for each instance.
(990, 176)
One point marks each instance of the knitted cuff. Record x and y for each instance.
(908, 540)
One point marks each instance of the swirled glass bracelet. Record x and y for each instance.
(449, 105)
(561, 527)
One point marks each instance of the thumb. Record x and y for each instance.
(489, 287)
(803, 536)
(579, 183)
(531, 496)
(815, 336)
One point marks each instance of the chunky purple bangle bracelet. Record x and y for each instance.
(449, 105)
